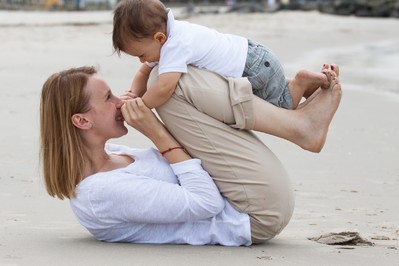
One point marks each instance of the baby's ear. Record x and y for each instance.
(160, 37)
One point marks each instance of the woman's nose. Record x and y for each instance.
(118, 103)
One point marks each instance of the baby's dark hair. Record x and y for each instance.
(137, 19)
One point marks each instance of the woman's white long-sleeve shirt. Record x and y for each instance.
(151, 201)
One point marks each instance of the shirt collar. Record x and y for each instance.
(170, 23)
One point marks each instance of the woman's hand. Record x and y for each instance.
(128, 95)
(139, 116)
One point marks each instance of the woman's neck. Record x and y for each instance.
(101, 161)
(97, 159)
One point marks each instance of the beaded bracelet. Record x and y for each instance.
(171, 149)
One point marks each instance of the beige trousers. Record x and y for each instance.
(201, 115)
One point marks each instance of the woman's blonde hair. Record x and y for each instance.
(62, 151)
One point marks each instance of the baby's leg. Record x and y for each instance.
(305, 83)
(307, 126)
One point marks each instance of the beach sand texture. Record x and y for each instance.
(352, 185)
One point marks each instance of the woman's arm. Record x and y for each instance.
(126, 197)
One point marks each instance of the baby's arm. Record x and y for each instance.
(139, 83)
(162, 88)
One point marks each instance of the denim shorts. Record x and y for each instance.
(265, 72)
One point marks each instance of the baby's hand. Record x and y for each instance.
(128, 95)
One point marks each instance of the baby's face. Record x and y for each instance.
(146, 49)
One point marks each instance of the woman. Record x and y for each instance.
(144, 196)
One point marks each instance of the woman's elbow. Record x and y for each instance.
(208, 208)
(218, 205)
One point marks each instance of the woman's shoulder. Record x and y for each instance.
(123, 149)
(103, 184)
(141, 157)
(119, 149)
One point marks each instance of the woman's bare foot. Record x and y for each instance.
(318, 114)
(307, 127)
(309, 99)
(325, 69)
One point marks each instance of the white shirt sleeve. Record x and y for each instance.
(143, 199)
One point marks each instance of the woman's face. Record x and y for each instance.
(105, 114)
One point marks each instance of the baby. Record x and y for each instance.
(147, 29)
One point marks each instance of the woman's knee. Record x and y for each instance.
(231, 100)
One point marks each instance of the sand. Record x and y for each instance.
(352, 185)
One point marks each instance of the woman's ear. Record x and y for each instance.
(79, 121)
(160, 37)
